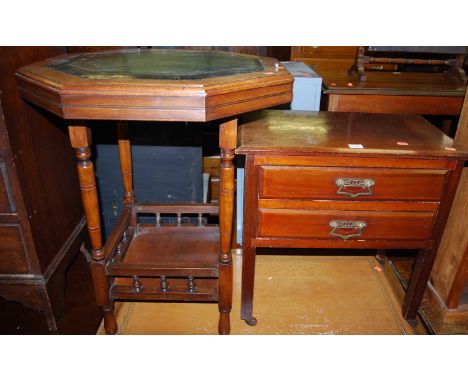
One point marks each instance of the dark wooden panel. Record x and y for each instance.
(41, 238)
(13, 257)
(80, 314)
(42, 155)
(6, 198)
(7, 203)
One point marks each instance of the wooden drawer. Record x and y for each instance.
(13, 257)
(348, 225)
(302, 182)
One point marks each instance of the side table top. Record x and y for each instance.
(392, 83)
(155, 84)
(313, 133)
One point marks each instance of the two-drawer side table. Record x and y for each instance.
(346, 180)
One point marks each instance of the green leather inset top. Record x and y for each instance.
(158, 64)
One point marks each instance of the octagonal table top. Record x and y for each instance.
(155, 84)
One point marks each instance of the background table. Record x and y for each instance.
(397, 93)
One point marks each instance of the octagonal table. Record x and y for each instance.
(189, 260)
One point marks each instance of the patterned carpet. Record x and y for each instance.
(293, 295)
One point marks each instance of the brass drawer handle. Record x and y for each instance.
(353, 183)
(347, 225)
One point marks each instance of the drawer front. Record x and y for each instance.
(345, 225)
(13, 257)
(341, 183)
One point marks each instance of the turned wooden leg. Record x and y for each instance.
(248, 276)
(227, 143)
(125, 155)
(80, 137)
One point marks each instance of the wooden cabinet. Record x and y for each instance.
(41, 222)
(345, 180)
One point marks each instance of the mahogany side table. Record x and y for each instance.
(185, 261)
(346, 180)
(394, 93)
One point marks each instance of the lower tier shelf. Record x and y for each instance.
(170, 251)
(203, 289)
(170, 263)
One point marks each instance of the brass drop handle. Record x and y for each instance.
(337, 225)
(348, 186)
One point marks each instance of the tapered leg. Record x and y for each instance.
(248, 276)
(227, 143)
(80, 138)
(417, 285)
(249, 231)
